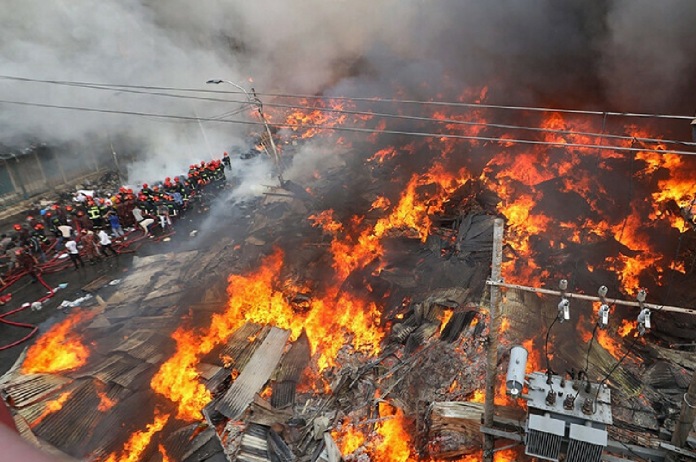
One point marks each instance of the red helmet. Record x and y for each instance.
(101, 200)
(176, 179)
(144, 185)
(17, 227)
(29, 218)
(224, 154)
(69, 208)
(39, 226)
(18, 252)
(80, 213)
(156, 188)
(49, 214)
(167, 180)
(54, 207)
(202, 163)
(129, 191)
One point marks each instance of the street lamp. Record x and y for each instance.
(259, 106)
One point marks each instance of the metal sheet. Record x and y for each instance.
(255, 375)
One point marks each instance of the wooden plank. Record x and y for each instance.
(256, 373)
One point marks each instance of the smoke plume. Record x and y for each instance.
(636, 55)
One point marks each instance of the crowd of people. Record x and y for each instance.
(94, 225)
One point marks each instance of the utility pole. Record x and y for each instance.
(686, 417)
(492, 354)
(276, 157)
(259, 106)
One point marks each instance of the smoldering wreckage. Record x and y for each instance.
(353, 336)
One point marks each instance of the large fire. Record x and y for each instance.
(61, 348)
(259, 297)
(392, 443)
(554, 197)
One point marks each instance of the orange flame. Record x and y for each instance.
(177, 378)
(105, 403)
(52, 407)
(139, 441)
(163, 452)
(478, 396)
(395, 441)
(60, 348)
(256, 298)
(348, 439)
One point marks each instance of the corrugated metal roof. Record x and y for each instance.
(255, 375)
(28, 389)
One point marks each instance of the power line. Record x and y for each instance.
(128, 89)
(371, 100)
(359, 130)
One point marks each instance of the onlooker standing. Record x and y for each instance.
(105, 243)
(73, 253)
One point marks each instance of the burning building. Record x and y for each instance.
(345, 314)
(352, 309)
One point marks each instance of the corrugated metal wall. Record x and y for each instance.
(40, 170)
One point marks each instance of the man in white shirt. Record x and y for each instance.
(73, 253)
(142, 221)
(105, 243)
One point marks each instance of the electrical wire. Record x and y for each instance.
(374, 114)
(363, 99)
(608, 375)
(546, 345)
(589, 347)
(354, 129)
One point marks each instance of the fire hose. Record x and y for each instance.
(56, 264)
(23, 325)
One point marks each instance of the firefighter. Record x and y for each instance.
(40, 233)
(28, 263)
(94, 213)
(22, 233)
(89, 245)
(34, 246)
(146, 191)
(82, 220)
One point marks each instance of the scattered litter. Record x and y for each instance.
(62, 285)
(76, 302)
(62, 256)
(193, 233)
(167, 239)
(36, 306)
(114, 282)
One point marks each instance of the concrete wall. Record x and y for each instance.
(41, 169)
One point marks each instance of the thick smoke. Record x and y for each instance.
(631, 55)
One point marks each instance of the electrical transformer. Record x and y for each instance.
(566, 417)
